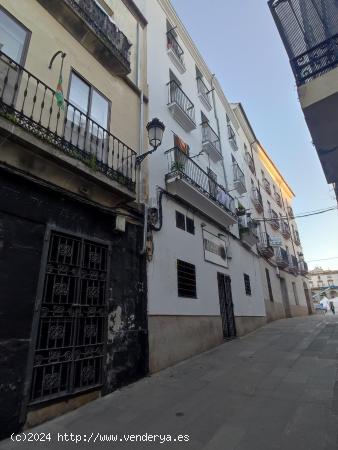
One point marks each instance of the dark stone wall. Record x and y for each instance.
(25, 211)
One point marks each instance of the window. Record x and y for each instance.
(295, 293)
(267, 273)
(180, 220)
(247, 284)
(190, 225)
(13, 37)
(185, 223)
(186, 279)
(89, 101)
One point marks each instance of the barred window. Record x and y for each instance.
(180, 220)
(247, 284)
(190, 225)
(186, 279)
(269, 284)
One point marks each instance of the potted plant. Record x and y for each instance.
(240, 210)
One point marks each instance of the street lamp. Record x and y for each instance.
(155, 130)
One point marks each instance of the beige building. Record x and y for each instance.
(73, 110)
(323, 282)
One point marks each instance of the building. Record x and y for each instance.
(323, 282)
(309, 30)
(219, 265)
(73, 313)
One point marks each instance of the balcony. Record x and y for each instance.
(93, 28)
(293, 264)
(285, 230)
(267, 185)
(250, 162)
(290, 212)
(248, 230)
(296, 237)
(65, 133)
(239, 179)
(232, 138)
(278, 199)
(204, 93)
(256, 198)
(180, 106)
(303, 268)
(282, 258)
(190, 182)
(175, 52)
(274, 220)
(264, 246)
(210, 142)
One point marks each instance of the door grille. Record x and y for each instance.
(70, 340)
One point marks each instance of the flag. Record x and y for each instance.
(59, 94)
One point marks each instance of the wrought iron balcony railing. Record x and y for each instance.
(173, 45)
(177, 95)
(208, 135)
(274, 220)
(303, 267)
(232, 137)
(290, 212)
(179, 162)
(29, 103)
(256, 197)
(250, 162)
(267, 185)
(293, 264)
(238, 175)
(79, 16)
(203, 91)
(296, 237)
(282, 257)
(264, 245)
(285, 230)
(278, 199)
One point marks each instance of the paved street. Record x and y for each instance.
(274, 389)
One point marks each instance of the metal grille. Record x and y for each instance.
(247, 284)
(226, 306)
(309, 30)
(186, 279)
(71, 334)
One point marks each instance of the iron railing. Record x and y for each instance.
(250, 161)
(267, 185)
(100, 22)
(293, 264)
(303, 267)
(264, 243)
(285, 229)
(278, 199)
(309, 30)
(30, 103)
(173, 44)
(296, 237)
(177, 95)
(290, 212)
(203, 90)
(238, 174)
(257, 198)
(180, 163)
(274, 219)
(282, 257)
(232, 137)
(208, 135)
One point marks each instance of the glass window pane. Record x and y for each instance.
(99, 109)
(12, 37)
(79, 93)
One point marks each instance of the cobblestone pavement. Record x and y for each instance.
(276, 388)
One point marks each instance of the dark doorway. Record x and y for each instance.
(226, 306)
(285, 297)
(307, 297)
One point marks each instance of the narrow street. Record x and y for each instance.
(274, 389)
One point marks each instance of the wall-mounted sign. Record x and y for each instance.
(275, 241)
(215, 250)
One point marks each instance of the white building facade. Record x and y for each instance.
(207, 269)
(323, 282)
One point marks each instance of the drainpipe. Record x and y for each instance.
(141, 111)
(218, 128)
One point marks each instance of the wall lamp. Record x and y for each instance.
(155, 130)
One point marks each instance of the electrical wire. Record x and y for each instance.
(324, 259)
(298, 216)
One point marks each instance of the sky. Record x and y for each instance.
(240, 43)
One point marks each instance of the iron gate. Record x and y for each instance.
(226, 306)
(71, 333)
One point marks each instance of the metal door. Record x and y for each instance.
(70, 343)
(226, 306)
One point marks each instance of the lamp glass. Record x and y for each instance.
(155, 132)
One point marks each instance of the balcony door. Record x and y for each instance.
(88, 119)
(226, 306)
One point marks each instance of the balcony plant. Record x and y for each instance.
(240, 210)
(177, 166)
